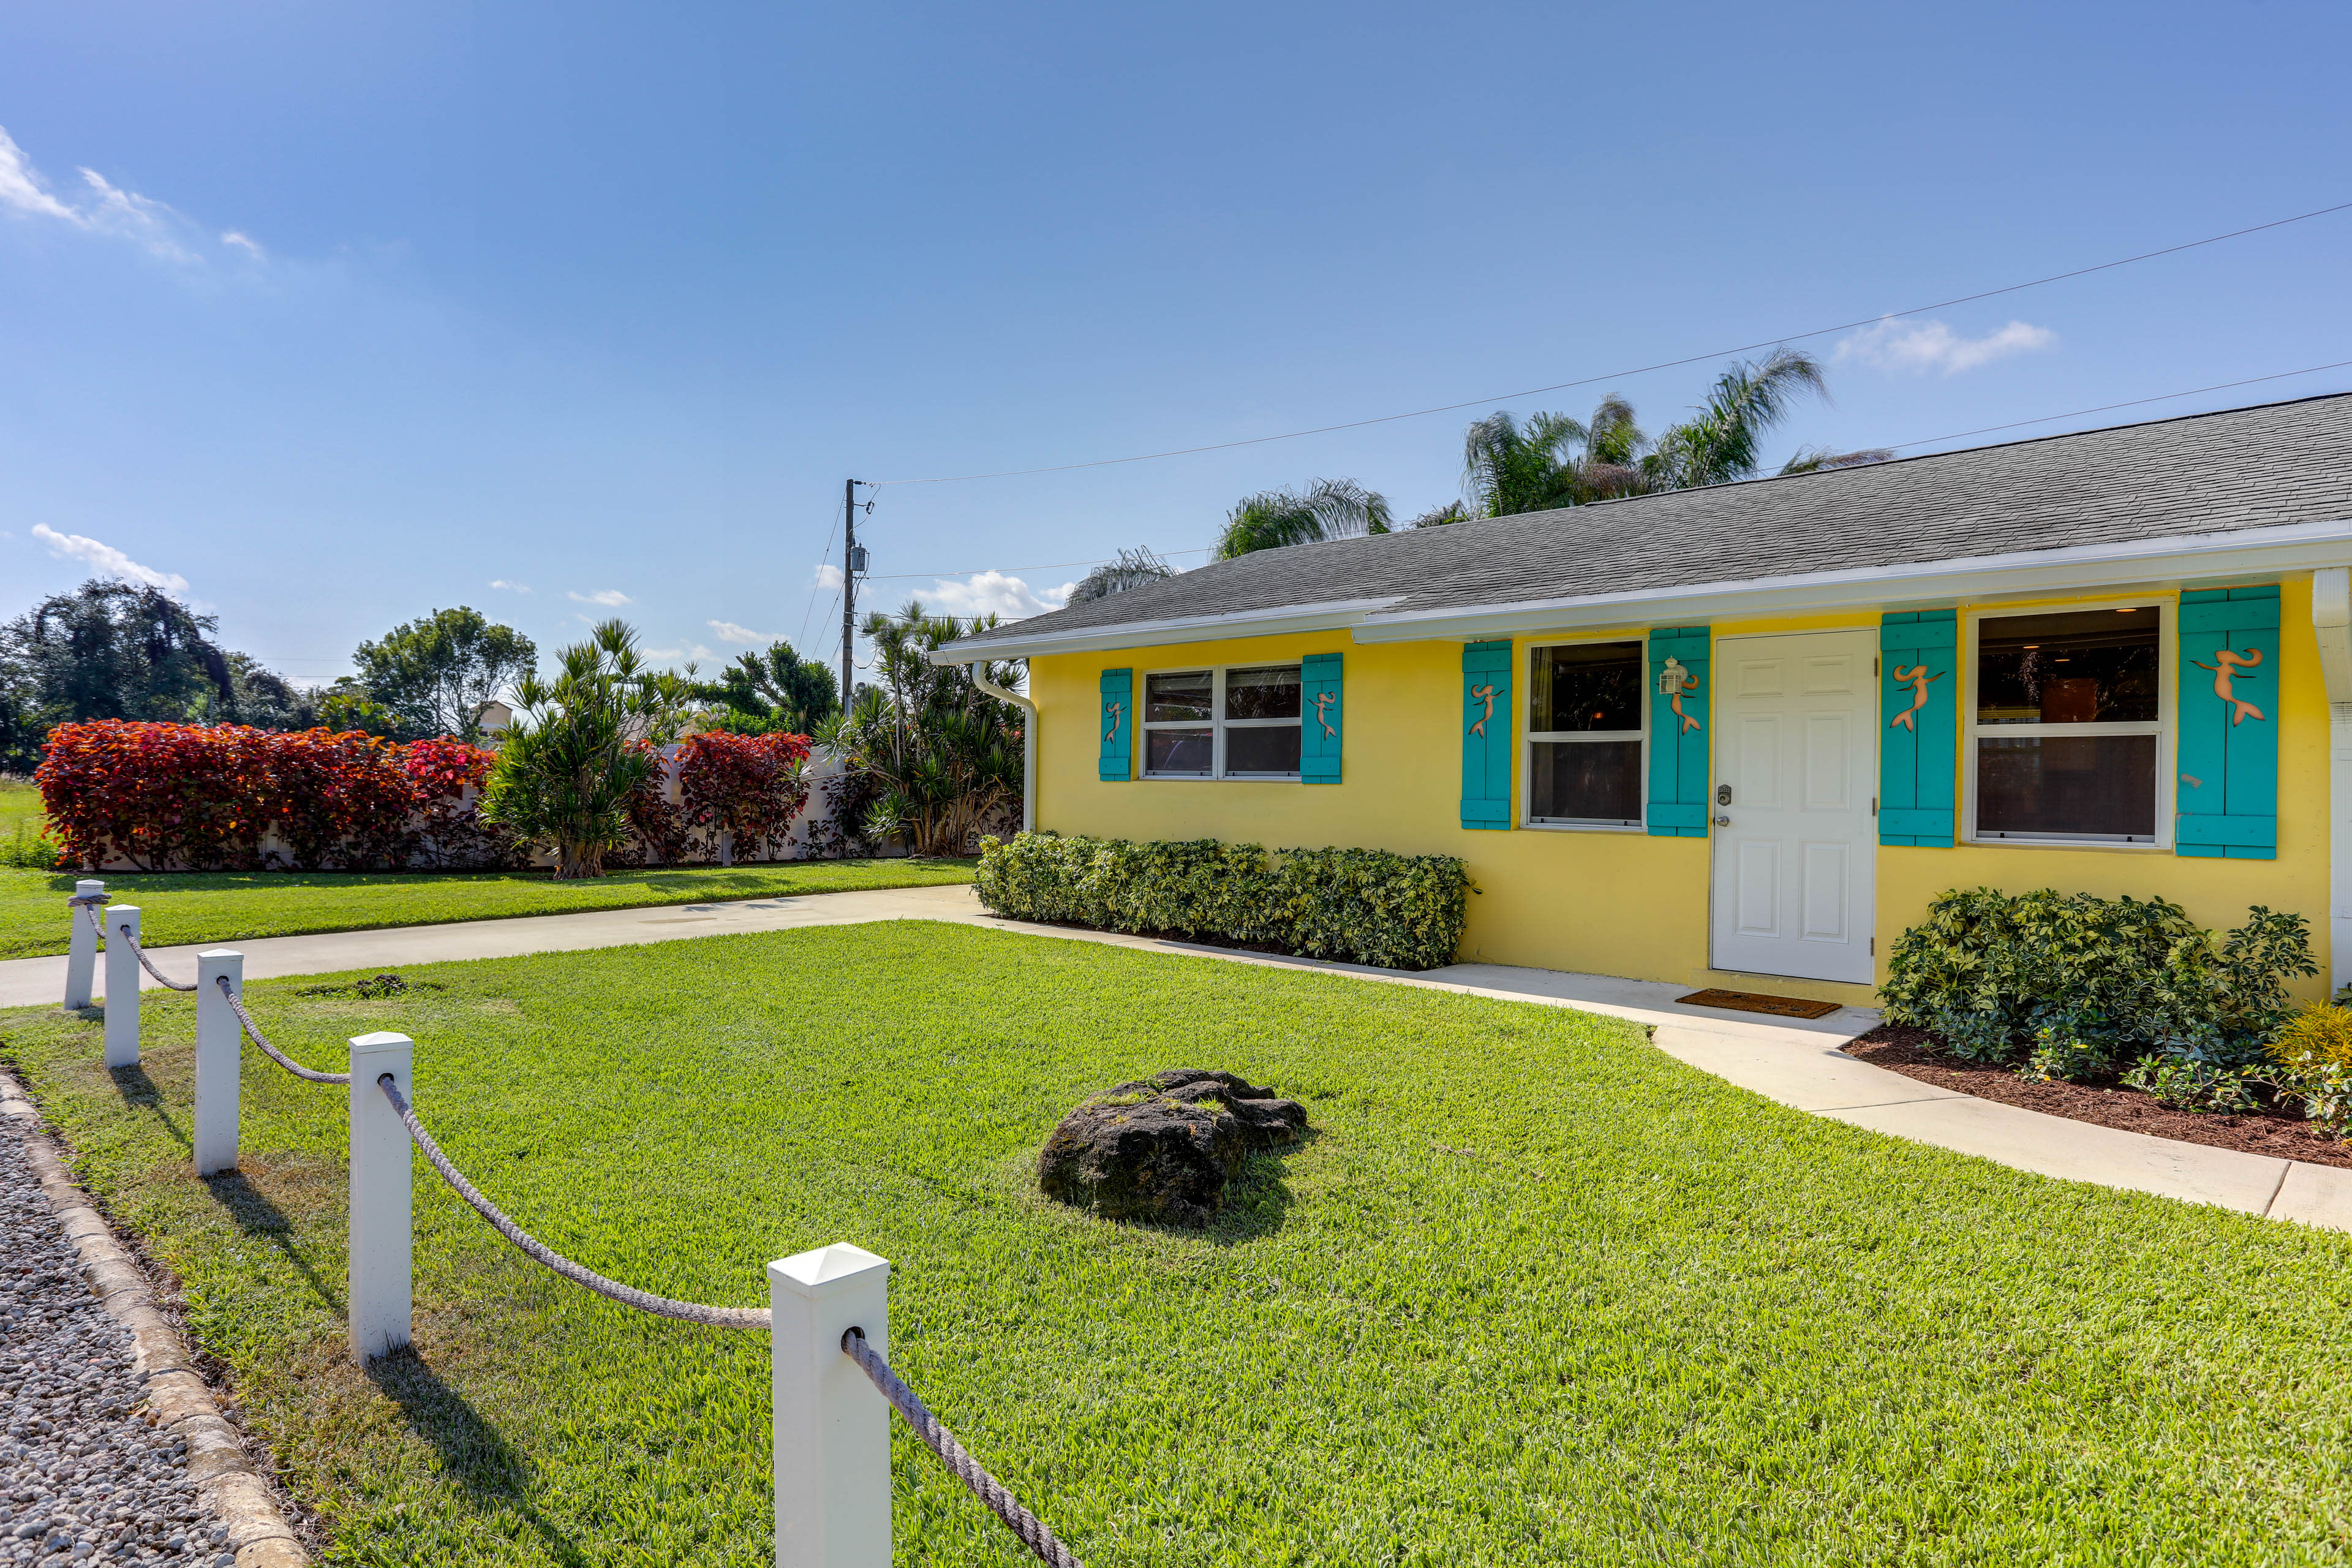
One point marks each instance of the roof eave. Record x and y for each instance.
(1332, 615)
(2126, 565)
(2133, 563)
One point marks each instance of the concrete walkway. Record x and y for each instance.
(1798, 1062)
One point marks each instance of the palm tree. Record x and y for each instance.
(1554, 460)
(1720, 442)
(1813, 459)
(1327, 508)
(1133, 568)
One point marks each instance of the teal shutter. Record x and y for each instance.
(1487, 734)
(1117, 727)
(1919, 702)
(1678, 740)
(2227, 794)
(1320, 721)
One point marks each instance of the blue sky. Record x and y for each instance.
(337, 314)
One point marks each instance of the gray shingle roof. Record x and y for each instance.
(2208, 473)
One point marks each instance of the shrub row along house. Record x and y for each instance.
(1746, 733)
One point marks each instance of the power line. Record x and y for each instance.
(817, 586)
(2129, 403)
(1048, 566)
(1643, 370)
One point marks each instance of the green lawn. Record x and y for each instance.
(21, 825)
(229, 905)
(1534, 1293)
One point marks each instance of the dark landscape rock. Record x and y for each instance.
(1163, 1148)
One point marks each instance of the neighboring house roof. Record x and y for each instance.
(2248, 489)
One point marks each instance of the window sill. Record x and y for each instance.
(1229, 778)
(1539, 826)
(2101, 846)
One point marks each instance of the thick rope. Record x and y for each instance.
(660, 1306)
(253, 1029)
(148, 964)
(1033, 1530)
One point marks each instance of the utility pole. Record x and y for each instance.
(852, 561)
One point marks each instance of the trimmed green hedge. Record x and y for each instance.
(1366, 906)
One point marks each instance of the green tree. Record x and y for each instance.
(1554, 460)
(434, 675)
(1327, 508)
(581, 745)
(779, 690)
(108, 650)
(941, 755)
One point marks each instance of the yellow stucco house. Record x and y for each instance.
(1740, 736)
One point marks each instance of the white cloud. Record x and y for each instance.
(1924, 346)
(21, 187)
(992, 594)
(611, 598)
(695, 651)
(106, 560)
(135, 217)
(828, 577)
(511, 588)
(729, 632)
(111, 210)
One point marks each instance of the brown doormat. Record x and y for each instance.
(1757, 1002)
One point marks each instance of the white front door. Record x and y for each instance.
(1796, 760)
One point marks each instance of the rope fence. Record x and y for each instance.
(1034, 1533)
(817, 1487)
(539, 1252)
(245, 1020)
(129, 934)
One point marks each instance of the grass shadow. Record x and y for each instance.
(255, 1215)
(1257, 1199)
(139, 1092)
(487, 1470)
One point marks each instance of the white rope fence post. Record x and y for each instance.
(378, 1285)
(81, 943)
(122, 984)
(832, 1434)
(219, 1055)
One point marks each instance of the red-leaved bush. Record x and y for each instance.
(196, 797)
(748, 785)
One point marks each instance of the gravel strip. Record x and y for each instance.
(84, 1474)
(103, 1457)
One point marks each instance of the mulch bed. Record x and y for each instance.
(2282, 1135)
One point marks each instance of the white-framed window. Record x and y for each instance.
(1587, 735)
(2067, 719)
(1239, 721)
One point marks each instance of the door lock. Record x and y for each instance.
(1723, 795)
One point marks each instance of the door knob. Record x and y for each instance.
(1723, 822)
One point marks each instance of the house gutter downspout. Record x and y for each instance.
(2331, 617)
(978, 669)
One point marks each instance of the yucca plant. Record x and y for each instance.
(583, 743)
